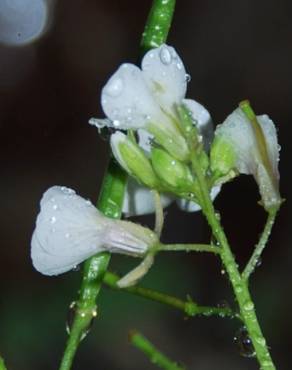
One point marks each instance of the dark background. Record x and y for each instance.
(49, 89)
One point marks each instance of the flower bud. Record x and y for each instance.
(132, 158)
(222, 157)
(173, 173)
(170, 138)
(248, 144)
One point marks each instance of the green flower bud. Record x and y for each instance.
(170, 138)
(132, 158)
(222, 157)
(174, 174)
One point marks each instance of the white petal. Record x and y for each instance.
(116, 139)
(165, 76)
(203, 119)
(140, 201)
(127, 101)
(189, 206)
(69, 229)
(238, 131)
(145, 140)
(271, 139)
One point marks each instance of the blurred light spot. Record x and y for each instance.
(22, 21)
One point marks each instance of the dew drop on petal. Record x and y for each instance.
(179, 65)
(114, 87)
(188, 77)
(67, 191)
(53, 219)
(76, 268)
(165, 55)
(55, 206)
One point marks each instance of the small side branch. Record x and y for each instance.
(253, 261)
(154, 355)
(190, 247)
(188, 307)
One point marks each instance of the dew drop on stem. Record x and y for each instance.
(72, 311)
(244, 343)
(223, 304)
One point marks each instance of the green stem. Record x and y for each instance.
(155, 356)
(110, 202)
(239, 285)
(2, 364)
(253, 261)
(189, 307)
(157, 25)
(189, 247)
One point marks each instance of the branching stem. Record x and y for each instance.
(111, 200)
(239, 285)
(188, 307)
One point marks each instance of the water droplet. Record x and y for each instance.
(67, 191)
(76, 268)
(259, 262)
(116, 123)
(55, 206)
(179, 65)
(53, 219)
(106, 132)
(248, 306)
(244, 343)
(165, 55)
(261, 341)
(187, 77)
(238, 289)
(114, 87)
(73, 310)
(223, 304)
(67, 235)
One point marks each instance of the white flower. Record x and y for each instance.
(251, 149)
(145, 100)
(69, 229)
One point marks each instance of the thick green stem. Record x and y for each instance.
(155, 356)
(2, 364)
(111, 200)
(110, 203)
(239, 285)
(157, 25)
(189, 307)
(254, 259)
